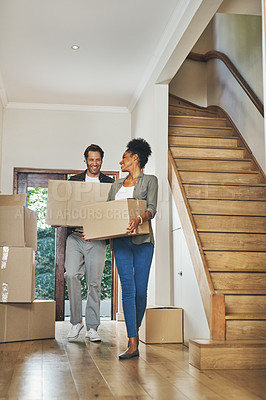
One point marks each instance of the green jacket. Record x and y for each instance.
(146, 188)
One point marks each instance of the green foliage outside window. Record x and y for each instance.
(45, 254)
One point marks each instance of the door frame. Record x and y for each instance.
(60, 244)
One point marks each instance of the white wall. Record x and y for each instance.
(1, 135)
(240, 38)
(149, 121)
(57, 139)
(185, 287)
(190, 82)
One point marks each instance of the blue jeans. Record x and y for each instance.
(133, 264)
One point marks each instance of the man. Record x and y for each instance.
(86, 257)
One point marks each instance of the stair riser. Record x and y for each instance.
(223, 260)
(255, 208)
(198, 152)
(231, 241)
(225, 178)
(214, 165)
(245, 304)
(245, 330)
(200, 131)
(202, 142)
(227, 357)
(175, 110)
(239, 280)
(217, 223)
(224, 192)
(197, 121)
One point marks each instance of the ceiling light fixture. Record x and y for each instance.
(75, 47)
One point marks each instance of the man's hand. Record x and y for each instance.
(84, 237)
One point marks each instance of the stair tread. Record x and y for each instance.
(259, 232)
(179, 135)
(208, 147)
(228, 343)
(219, 171)
(200, 117)
(211, 159)
(241, 291)
(248, 316)
(237, 269)
(229, 185)
(192, 108)
(228, 128)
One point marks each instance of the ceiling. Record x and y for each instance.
(118, 41)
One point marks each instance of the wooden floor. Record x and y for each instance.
(57, 369)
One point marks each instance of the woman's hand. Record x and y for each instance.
(132, 226)
(84, 237)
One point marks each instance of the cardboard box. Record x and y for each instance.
(110, 219)
(18, 224)
(66, 199)
(162, 325)
(17, 274)
(27, 321)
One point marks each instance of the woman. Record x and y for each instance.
(133, 254)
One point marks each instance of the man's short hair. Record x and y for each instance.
(93, 147)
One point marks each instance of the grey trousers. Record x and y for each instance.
(84, 258)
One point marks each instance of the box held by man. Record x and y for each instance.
(66, 199)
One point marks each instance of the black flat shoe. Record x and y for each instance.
(126, 356)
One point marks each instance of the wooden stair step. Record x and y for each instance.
(226, 192)
(227, 207)
(245, 304)
(208, 152)
(177, 109)
(246, 316)
(229, 223)
(179, 140)
(219, 131)
(217, 177)
(239, 280)
(237, 329)
(238, 165)
(236, 260)
(233, 241)
(241, 292)
(191, 120)
(227, 354)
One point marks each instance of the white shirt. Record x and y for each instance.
(90, 179)
(125, 193)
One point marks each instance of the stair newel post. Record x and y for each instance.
(218, 317)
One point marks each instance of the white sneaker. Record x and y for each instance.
(74, 331)
(92, 335)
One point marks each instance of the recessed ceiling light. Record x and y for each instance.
(75, 47)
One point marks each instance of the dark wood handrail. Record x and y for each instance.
(242, 82)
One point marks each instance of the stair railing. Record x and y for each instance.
(213, 54)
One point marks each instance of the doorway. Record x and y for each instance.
(50, 255)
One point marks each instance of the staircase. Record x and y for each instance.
(220, 193)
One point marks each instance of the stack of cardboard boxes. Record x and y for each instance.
(21, 318)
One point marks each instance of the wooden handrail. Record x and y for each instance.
(234, 71)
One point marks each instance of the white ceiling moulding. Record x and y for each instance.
(65, 107)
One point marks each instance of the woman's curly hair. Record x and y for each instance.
(141, 148)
